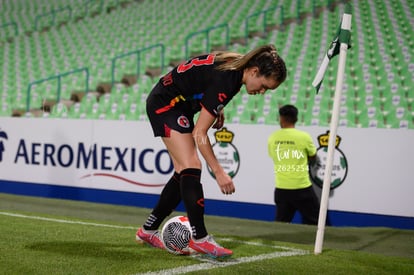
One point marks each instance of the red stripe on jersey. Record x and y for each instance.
(167, 131)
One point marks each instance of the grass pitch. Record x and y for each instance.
(47, 236)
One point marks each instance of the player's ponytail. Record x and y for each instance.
(265, 57)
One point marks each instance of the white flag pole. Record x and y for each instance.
(345, 26)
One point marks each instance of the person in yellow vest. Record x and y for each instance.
(291, 151)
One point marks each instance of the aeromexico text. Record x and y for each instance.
(94, 157)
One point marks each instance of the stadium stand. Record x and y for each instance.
(85, 38)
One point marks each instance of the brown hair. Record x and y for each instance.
(265, 57)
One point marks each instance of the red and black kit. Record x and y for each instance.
(181, 93)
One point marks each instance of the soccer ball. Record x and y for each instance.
(176, 234)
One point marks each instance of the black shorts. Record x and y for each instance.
(175, 118)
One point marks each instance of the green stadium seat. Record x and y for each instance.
(75, 111)
(271, 114)
(5, 109)
(59, 110)
(114, 112)
(133, 112)
(349, 120)
(63, 49)
(370, 118)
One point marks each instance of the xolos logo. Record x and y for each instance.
(3, 136)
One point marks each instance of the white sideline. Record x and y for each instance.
(214, 264)
(207, 263)
(63, 221)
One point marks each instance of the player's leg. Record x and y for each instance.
(170, 196)
(169, 199)
(183, 150)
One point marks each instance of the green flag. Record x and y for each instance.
(341, 36)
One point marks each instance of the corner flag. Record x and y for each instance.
(341, 36)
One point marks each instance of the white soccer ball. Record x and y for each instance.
(176, 235)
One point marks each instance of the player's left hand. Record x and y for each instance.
(219, 120)
(225, 183)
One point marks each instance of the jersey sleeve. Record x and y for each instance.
(225, 85)
(310, 147)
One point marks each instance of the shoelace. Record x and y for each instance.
(211, 240)
(151, 235)
(155, 234)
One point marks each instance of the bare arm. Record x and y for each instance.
(204, 122)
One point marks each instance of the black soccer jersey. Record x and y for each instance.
(197, 83)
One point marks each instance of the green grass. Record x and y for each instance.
(47, 236)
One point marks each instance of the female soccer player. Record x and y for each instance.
(203, 84)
